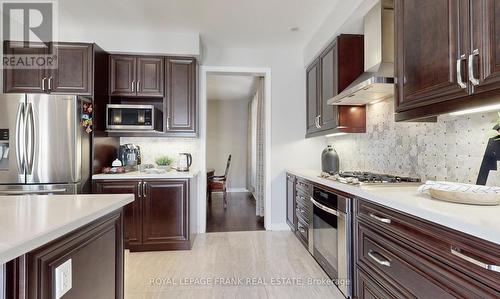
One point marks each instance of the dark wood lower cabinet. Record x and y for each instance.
(132, 213)
(299, 207)
(96, 253)
(158, 219)
(401, 256)
(165, 223)
(291, 219)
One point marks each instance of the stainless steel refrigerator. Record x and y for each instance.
(43, 147)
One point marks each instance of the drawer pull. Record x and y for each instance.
(384, 262)
(384, 220)
(301, 229)
(457, 252)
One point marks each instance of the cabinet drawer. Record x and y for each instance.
(304, 186)
(302, 231)
(303, 214)
(447, 246)
(395, 264)
(303, 200)
(368, 288)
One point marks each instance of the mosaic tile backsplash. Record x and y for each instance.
(451, 149)
(151, 148)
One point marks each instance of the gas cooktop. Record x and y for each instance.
(359, 177)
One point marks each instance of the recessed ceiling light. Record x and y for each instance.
(294, 29)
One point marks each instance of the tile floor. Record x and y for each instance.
(256, 264)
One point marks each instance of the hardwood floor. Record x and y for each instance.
(229, 265)
(239, 215)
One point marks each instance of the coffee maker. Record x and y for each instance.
(130, 156)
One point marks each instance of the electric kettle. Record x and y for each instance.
(185, 161)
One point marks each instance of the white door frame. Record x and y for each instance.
(202, 183)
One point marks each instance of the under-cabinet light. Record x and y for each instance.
(336, 134)
(477, 110)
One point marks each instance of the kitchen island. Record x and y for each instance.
(62, 244)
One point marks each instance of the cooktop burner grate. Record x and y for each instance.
(356, 177)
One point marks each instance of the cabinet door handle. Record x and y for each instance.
(50, 84)
(138, 87)
(381, 261)
(460, 81)
(133, 86)
(168, 122)
(43, 83)
(380, 219)
(144, 190)
(457, 252)
(472, 78)
(319, 122)
(139, 187)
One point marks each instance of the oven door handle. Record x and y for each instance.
(326, 209)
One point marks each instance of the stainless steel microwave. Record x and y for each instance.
(133, 118)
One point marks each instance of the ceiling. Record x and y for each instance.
(225, 23)
(231, 87)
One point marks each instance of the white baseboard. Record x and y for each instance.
(237, 190)
(278, 227)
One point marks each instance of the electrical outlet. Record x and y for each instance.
(63, 279)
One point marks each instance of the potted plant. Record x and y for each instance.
(164, 162)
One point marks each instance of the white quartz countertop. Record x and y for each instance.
(137, 175)
(30, 221)
(479, 221)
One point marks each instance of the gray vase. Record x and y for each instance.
(330, 160)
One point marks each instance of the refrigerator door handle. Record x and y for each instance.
(20, 141)
(29, 139)
(24, 192)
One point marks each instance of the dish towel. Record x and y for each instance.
(457, 187)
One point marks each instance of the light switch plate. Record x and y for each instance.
(63, 279)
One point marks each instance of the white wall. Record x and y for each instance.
(227, 133)
(288, 147)
(75, 26)
(346, 17)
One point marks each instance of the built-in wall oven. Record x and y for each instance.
(330, 235)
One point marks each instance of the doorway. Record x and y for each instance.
(230, 99)
(234, 166)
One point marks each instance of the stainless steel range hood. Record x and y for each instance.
(377, 82)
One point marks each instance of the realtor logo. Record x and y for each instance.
(29, 25)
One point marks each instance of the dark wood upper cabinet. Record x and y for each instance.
(132, 213)
(312, 99)
(447, 56)
(122, 73)
(73, 74)
(181, 95)
(429, 42)
(338, 65)
(25, 80)
(485, 55)
(329, 87)
(165, 212)
(132, 76)
(150, 74)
